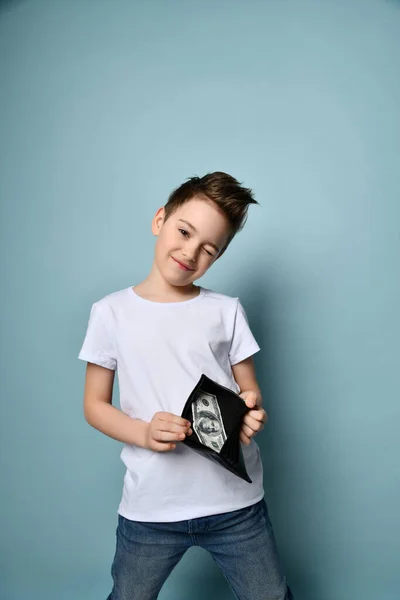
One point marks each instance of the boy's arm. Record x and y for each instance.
(102, 415)
(161, 434)
(245, 376)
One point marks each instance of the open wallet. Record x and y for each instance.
(216, 414)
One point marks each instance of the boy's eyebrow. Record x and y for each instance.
(194, 229)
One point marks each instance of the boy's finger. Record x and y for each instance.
(162, 446)
(171, 418)
(259, 415)
(248, 432)
(168, 436)
(244, 439)
(251, 400)
(171, 427)
(255, 424)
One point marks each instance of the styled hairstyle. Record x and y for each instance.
(224, 190)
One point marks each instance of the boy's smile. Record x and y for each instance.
(181, 265)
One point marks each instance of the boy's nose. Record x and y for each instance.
(189, 255)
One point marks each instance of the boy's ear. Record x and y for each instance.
(158, 221)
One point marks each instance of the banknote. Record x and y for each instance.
(207, 420)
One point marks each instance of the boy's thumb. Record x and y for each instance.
(250, 398)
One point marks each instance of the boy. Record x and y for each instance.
(161, 335)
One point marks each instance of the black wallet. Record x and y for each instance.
(216, 414)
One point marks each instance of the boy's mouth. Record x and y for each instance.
(182, 265)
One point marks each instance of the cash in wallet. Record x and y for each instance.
(216, 414)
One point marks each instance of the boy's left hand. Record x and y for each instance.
(254, 420)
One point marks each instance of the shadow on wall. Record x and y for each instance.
(394, 2)
(8, 5)
(281, 451)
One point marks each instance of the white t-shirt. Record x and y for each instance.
(160, 350)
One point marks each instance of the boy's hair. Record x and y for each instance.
(224, 190)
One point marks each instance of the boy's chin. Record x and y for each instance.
(177, 276)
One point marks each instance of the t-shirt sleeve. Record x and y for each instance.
(243, 342)
(98, 346)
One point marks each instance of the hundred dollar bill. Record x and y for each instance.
(207, 421)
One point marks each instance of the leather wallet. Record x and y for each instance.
(216, 414)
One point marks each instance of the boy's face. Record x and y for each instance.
(193, 235)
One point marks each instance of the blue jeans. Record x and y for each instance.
(241, 542)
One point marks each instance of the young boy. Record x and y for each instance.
(161, 335)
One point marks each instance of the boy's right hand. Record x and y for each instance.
(164, 430)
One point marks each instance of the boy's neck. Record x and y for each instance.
(162, 291)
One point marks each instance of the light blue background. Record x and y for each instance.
(105, 108)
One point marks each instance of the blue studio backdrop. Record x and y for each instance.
(106, 106)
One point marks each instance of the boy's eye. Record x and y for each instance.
(185, 233)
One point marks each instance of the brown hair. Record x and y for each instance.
(224, 190)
